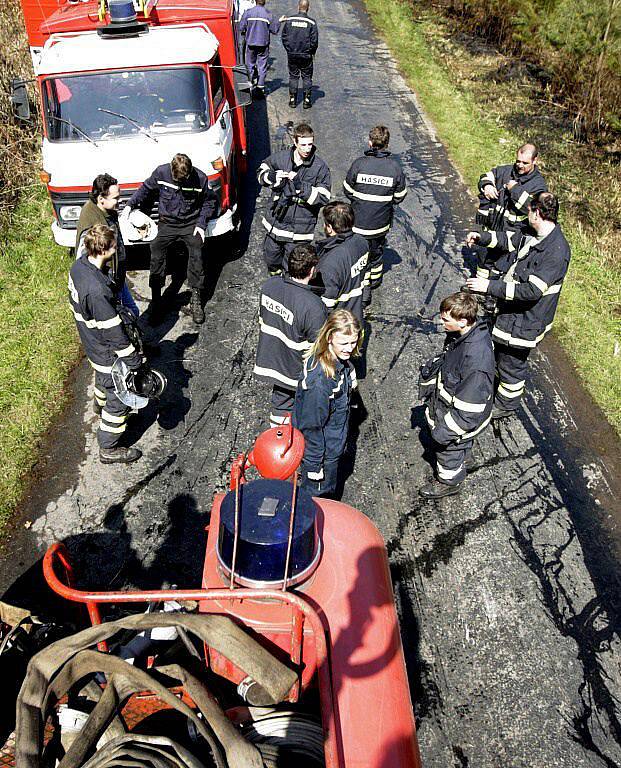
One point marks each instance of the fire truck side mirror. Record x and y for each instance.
(19, 99)
(243, 87)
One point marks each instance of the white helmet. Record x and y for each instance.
(137, 227)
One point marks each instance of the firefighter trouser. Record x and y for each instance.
(300, 67)
(327, 485)
(168, 234)
(257, 58)
(276, 253)
(113, 419)
(282, 405)
(450, 461)
(511, 365)
(375, 268)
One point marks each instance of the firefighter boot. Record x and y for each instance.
(498, 412)
(119, 455)
(196, 306)
(293, 99)
(437, 490)
(307, 104)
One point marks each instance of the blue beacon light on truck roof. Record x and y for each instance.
(122, 20)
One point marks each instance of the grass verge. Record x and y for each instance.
(38, 343)
(481, 122)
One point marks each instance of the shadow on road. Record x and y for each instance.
(358, 416)
(108, 560)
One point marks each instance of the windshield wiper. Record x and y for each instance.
(129, 120)
(76, 128)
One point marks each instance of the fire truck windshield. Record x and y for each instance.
(110, 105)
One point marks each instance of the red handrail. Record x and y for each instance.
(92, 600)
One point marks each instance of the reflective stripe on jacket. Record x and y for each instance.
(191, 202)
(300, 36)
(294, 217)
(290, 316)
(257, 24)
(375, 183)
(343, 264)
(462, 391)
(94, 304)
(512, 203)
(528, 294)
(321, 412)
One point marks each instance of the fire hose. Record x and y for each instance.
(68, 663)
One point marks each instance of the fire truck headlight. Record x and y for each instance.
(69, 212)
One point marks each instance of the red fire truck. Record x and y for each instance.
(124, 86)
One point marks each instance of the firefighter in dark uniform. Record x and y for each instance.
(186, 203)
(458, 387)
(300, 38)
(290, 316)
(257, 24)
(504, 195)
(323, 400)
(533, 269)
(300, 184)
(97, 310)
(375, 183)
(343, 260)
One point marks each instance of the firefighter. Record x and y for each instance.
(257, 24)
(458, 387)
(97, 313)
(323, 399)
(186, 203)
(300, 184)
(504, 195)
(534, 267)
(343, 260)
(290, 316)
(375, 183)
(300, 38)
(101, 208)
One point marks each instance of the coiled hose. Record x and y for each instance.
(70, 663)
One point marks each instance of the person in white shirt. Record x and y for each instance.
(241, 6)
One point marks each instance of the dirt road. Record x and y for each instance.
(509, 593)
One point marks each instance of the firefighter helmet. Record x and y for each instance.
(136, 388)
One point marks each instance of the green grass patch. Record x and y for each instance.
(588, 322)
(38, 342)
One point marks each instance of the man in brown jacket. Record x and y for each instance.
(102, 209)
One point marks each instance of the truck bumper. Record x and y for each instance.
(64, 237)
(220, 226)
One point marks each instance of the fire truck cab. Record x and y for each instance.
(124, 88)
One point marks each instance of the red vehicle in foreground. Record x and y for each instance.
(293, 649)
